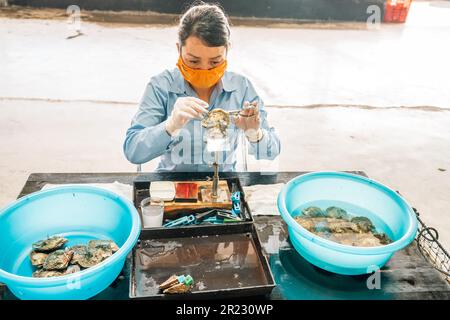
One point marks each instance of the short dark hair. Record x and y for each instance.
(207, 22)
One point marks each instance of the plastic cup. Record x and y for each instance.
(152, 212)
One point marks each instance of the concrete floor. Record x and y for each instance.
(65, 104)
(397, 65)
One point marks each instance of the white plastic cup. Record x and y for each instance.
(152, 212)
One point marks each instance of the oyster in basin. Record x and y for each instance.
(58, 260)
(49, 244)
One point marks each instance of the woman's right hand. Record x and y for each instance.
(184, 110)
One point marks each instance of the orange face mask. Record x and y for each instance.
(201, 78)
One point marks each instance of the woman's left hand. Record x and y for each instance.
(248, 118)
(249, 121)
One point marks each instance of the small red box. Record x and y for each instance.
(396, 10)
(186, 192)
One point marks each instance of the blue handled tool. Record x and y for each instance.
(236, 196)
(236, 203)
(180, 221)
(213, 220)
(225, 215)
(187, 220)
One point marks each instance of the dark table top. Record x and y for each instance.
(407, 275)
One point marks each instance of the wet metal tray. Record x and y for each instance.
(226, 265)
(141, 185)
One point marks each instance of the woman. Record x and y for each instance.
(168, 124)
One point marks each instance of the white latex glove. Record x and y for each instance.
(249, 120)
(184, 110)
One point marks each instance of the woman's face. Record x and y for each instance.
(197, 55)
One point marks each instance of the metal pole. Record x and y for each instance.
(244, 150)
(216, 175)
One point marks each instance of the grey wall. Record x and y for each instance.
(345, 10)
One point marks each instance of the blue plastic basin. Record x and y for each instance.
(359, 196)
(79, 213)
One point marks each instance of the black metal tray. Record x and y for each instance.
(141, 185)
(226, 265)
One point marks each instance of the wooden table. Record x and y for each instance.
(406, 276)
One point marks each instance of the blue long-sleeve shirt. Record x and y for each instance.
(147, 137)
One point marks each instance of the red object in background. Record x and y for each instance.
(396, 10)
(186, 192)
